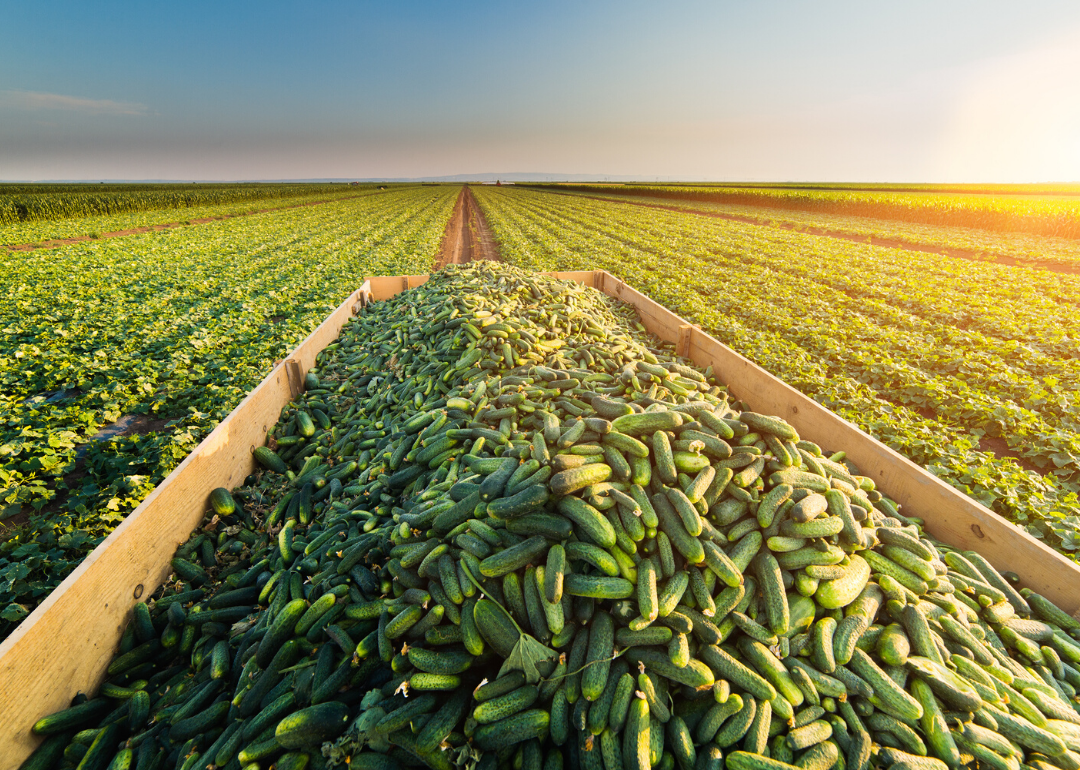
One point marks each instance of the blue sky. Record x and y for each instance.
(954, 90)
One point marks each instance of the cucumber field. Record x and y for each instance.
(968, 367)
(489, 511)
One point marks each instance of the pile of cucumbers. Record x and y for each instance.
(503, 528)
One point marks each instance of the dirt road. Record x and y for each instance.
(467, 236)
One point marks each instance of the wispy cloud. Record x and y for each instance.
(39, 100)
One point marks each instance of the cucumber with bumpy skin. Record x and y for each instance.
(574, 479)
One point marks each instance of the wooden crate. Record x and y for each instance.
(64, 646)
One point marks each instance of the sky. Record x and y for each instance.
(822, 90)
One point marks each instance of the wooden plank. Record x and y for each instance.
(296, 378)
(682, 342)
(382, 287)
(587, 277)
(950, 516)
(657, 319)
(64, 646)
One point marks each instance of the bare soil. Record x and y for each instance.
(453, 240)
(889, 243)
(56, 243)
(1000, 448)
(128, 425)
(482, 243)
(467, 236)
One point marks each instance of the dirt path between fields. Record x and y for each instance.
(453, 240)
(56, 243)
(481, 243)
(467, 236)
(888, 243)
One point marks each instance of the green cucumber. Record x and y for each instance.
(495, 627)
(647, 423)
(513, 730)
(573, 479)
(591, 523)
(514, 558)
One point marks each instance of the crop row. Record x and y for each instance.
(28, 204)
(936, 357)
(1057, 216)
(18, 233)
(981, 244)
(176, 326)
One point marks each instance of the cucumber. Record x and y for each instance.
(596, 587)
(506, 705)
(591, 523)
(688, 515)
(894, 700)
(304, 425)
(770, 667)
(775, 426)
(737, 725)
(495, 627)
(1021, 731)
(727, 667)
(648, 602)
(771, 502)
(401, 623)
(574, 479)
(822, 645)
(777, 610)
(745, 760)
(554, 573)
(842, 591)
(647, 423)
(280, 631)
(695, 674)
(551, 526)
(721, 565)
(73, 717)
(405, 713)
(809, 508)
(598, 656)
(627, 444)
(269, 459)
(657, 708)
(893, 646)
(592, 555)
(636, 740)
(446, 661)
(685, 543)
(934, 727)
(514, 558)
(951, 688)
(513, 730)
(662, 458)
(499, 686)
